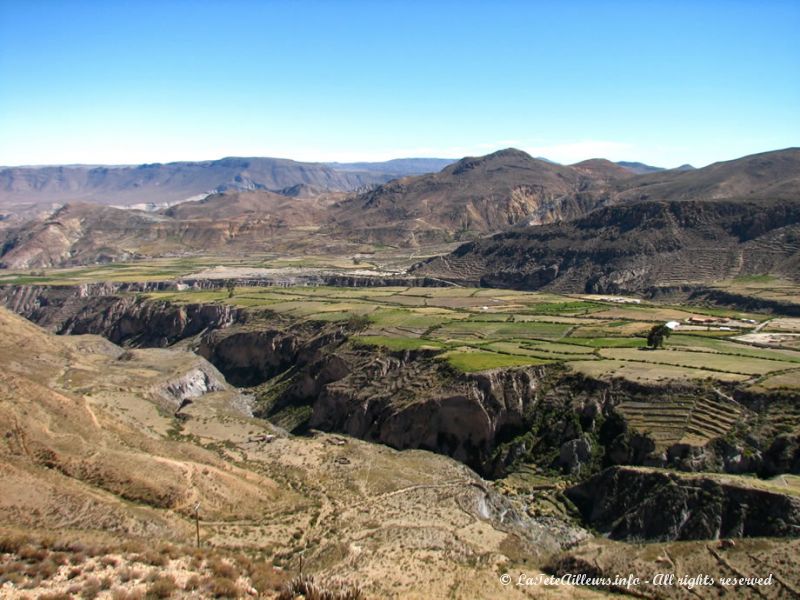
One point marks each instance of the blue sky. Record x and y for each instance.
(137, 81)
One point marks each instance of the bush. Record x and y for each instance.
(74, 572)
(109, 561)
(91, 589)
(266, 579)
(44, 570)
(127, 574)
(151, 557)
(121, 594)
(32, 553)
(11, 544)
(223, 569)
(56, 596)
(132, 547)
(306, 587)
(163, 587)
(171, 551)
(196, 563)
(192, 583)
(223, 588)
(12, 572)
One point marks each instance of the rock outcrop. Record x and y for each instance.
(195, 383)
(640, 504)
(123, 319)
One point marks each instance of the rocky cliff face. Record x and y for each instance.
(125, 320)
(638, 504)
(264, 349)
(411, 400)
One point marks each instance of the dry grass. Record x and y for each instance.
(308, 588)
(123, 594)
(31, 563)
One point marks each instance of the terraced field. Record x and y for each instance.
(688, 420)
(478, 329)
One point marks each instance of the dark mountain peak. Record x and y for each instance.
(685, 167)
(233, 161)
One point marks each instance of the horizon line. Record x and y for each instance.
(89, 164)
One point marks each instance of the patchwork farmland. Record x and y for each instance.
(477, 329)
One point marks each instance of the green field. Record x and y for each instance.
(481, 329)
(478, 329)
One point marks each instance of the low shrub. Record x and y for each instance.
(162, 587)
(220, 587)
(306, 587)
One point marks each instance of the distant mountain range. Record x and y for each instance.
(594, 225)
(639, 168)
(153, 185)
(157, 185)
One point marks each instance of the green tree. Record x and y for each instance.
(230, 285)
(657, 335)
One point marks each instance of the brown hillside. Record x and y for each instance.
(636, 247)
(475, 196)
(92, 449)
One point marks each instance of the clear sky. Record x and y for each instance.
(115, 81)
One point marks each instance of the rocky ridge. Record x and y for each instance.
(634, 248)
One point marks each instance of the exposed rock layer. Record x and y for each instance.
(630, 504)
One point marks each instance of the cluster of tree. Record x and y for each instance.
(657, 335)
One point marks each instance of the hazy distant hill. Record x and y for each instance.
(160, 184)
(80, 233)
(639, 168)
(601, 168)
(765, 175)
(739, 217)
(399, 167)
